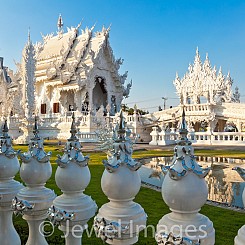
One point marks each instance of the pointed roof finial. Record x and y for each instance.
(121, 129)
(5, 128)
(197, 60)
(183, 123)
(183, 130)
(73, 130)
(35, 129)
(197, 51)
(60, 23)
(29, 35)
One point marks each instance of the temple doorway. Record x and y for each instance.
(99, 94)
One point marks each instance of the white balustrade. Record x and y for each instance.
(120, 220)
(72, 210)
(14, 119)
(87, 137)
(199, 138)
(9, 166)
(34, 200)
(185, 191)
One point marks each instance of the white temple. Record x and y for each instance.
(213, 111)
(65, 72)
(202, 80)
(73, 71)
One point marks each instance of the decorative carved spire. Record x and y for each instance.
(203, 80)
(121, 130)
(229, 80)
(197, 61)
(73, 130)
(60, 23)
(197, 51)
(35, 129)
(29, 35)
(220, 77)
(183, 131)
(207, 65)
(236, 95)
(5, 128)
(27, 81)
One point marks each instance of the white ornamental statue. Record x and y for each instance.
(9, 166)
(185, 191)
(240, 238)
(120, 221)
(34, 200)
(72, 210)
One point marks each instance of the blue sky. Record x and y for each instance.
(155, 38)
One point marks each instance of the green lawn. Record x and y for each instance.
(226, 222)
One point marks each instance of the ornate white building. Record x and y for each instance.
(65, 72)
(212, 109)
(202, 80)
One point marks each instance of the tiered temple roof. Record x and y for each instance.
(71, 56)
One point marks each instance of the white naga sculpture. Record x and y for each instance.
(185, 191)
(120, 220)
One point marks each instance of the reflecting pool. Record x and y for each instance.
(224, 184)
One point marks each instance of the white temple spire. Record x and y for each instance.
(29, 35)
(206, 65)
(197, 51)
(202, 79)
(60, 23)
(197, 61)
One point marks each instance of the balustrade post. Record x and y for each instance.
(185, 191)
(34, 200)
(162, 138)
(154, 135)
(240, 238)
(72, 210)
(119, 221)
(9, 166)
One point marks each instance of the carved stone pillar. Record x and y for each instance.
(72, 210)
(9, 166)
(185, 191)
(34, 200)
(120, 220)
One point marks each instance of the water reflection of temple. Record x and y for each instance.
(224, 185)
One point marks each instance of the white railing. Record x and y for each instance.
(87, 137)
(217, 138)
(199, 138)
(197, 107)
(14, 119)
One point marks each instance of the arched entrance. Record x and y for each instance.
(99, 96)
